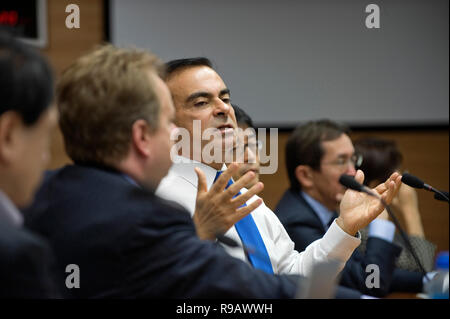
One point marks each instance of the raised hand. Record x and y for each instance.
(406, 204)
(357, 209)
(216, 210)
(406, 197)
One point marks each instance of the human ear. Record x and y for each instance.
(141, 137)
(11, 127)
(304, 176)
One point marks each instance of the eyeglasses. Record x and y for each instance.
(356, 160)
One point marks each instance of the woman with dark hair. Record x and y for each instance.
(381, 158)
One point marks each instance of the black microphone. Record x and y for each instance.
(349, 182)
(439, 196)
(416, 182)
(227, 240)
(230, 242)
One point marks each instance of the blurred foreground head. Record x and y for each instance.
(116, 111)
(26, 118)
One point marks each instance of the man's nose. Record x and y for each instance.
(221, 108)
(351, 170)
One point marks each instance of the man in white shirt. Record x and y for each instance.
(200, 94)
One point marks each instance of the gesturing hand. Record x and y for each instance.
(406, 199)
(216, 210)
(357, 209)
(406, 204)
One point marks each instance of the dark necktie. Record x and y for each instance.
(250, 236)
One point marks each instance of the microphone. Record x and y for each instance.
(227, 240)
(349, 182)
(230, 242)
(416, 182)
(439, 196)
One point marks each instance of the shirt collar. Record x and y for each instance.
(322, 212)
(9, 212)
(184, 167)
(130, 180)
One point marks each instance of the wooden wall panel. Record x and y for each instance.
(65, 45)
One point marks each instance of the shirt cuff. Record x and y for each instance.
(338, 244)
(383, 229)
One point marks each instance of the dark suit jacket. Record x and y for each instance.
(128, 243)
(25, 265)
(304, 226)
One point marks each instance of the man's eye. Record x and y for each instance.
(226, 100)
(200, 103)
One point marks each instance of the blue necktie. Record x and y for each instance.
(250, 236)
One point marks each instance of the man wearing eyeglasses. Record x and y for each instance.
(250, 160)
(317, 154)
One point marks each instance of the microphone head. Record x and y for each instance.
(412, 181)
(350, 182)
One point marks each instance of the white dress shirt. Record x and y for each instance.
(380, 228)
(180, 185)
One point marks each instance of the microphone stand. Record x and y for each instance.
(401, 231)
(444, 197)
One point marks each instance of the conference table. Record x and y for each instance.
(404, 295)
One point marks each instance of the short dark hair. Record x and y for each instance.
(26, 79)
(179, 64)
(242, 117)
(380, 158)
(304, 146)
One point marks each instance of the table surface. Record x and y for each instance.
(404, 295)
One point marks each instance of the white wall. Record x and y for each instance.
(288, 61)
